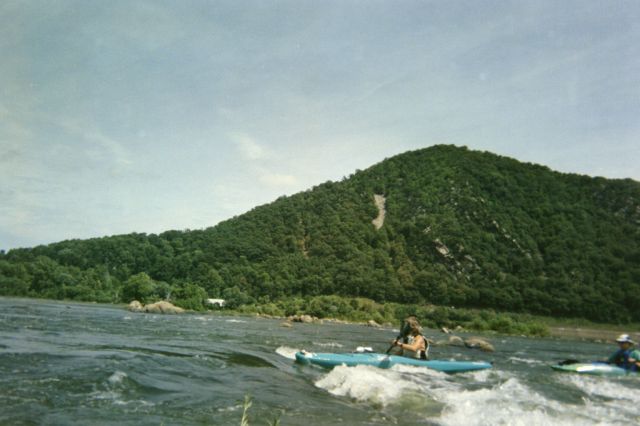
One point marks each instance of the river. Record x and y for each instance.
(69, 363)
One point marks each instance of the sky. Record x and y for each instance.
(147, 116)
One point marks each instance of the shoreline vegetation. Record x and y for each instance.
(337, 309)
(449, 319)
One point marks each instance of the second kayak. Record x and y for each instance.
(592, 368)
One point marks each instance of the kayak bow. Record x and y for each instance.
(593, 368)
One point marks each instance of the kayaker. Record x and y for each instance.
(413, 343)
(626, 356)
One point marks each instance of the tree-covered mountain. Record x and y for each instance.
(442, 225)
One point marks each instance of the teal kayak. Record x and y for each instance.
(593, 368)
(330, 360)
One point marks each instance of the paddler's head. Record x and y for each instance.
(624, 341)
(412, 326)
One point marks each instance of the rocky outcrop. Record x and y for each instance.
(455, 341)
(161, 307)
(302, 318)
(135, 306)
(478, 343)
(379, 201)
(471, 342)
(441, 248)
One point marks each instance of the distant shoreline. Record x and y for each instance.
(592, 334)
(571, 329)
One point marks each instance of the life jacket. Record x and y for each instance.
(420, 353)
(621, 359)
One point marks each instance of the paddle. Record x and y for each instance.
(404, 332)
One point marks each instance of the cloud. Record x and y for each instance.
(248, 147)
(120, 159)
(278, 180)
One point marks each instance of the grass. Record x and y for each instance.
(245, 413)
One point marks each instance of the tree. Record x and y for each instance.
(189, 296)
(139, 287)
(234, 297)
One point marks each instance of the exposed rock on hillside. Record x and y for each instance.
(379, 200)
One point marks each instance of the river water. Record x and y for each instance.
(68, 363)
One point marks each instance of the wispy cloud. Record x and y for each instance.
(119, 158)
(278, 180)
(248, 147)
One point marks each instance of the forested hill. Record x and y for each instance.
(452, 227)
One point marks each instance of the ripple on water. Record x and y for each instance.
(118, 389)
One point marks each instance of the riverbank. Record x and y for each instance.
(607, 335)
(369, 313)
(331, 309)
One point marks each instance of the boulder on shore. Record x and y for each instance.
(302, 318)
(455, 341)
(478, 343)
(135, 306)
(161, 307)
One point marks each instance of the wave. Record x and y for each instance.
(287, 352)
(483, 397)
(117, 390)
(365, 383)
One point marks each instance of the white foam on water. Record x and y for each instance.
(500, 398)
(609, 387)
(328, 344)
(508, 403)
(113, 392)
(287, 352)
(48, 380)
(117, 378)
(488, 375)
(418, 371)
(517, 360)
(235, 320)
(615, 399)
(230, 408)
(366, 384)
(107, 395)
